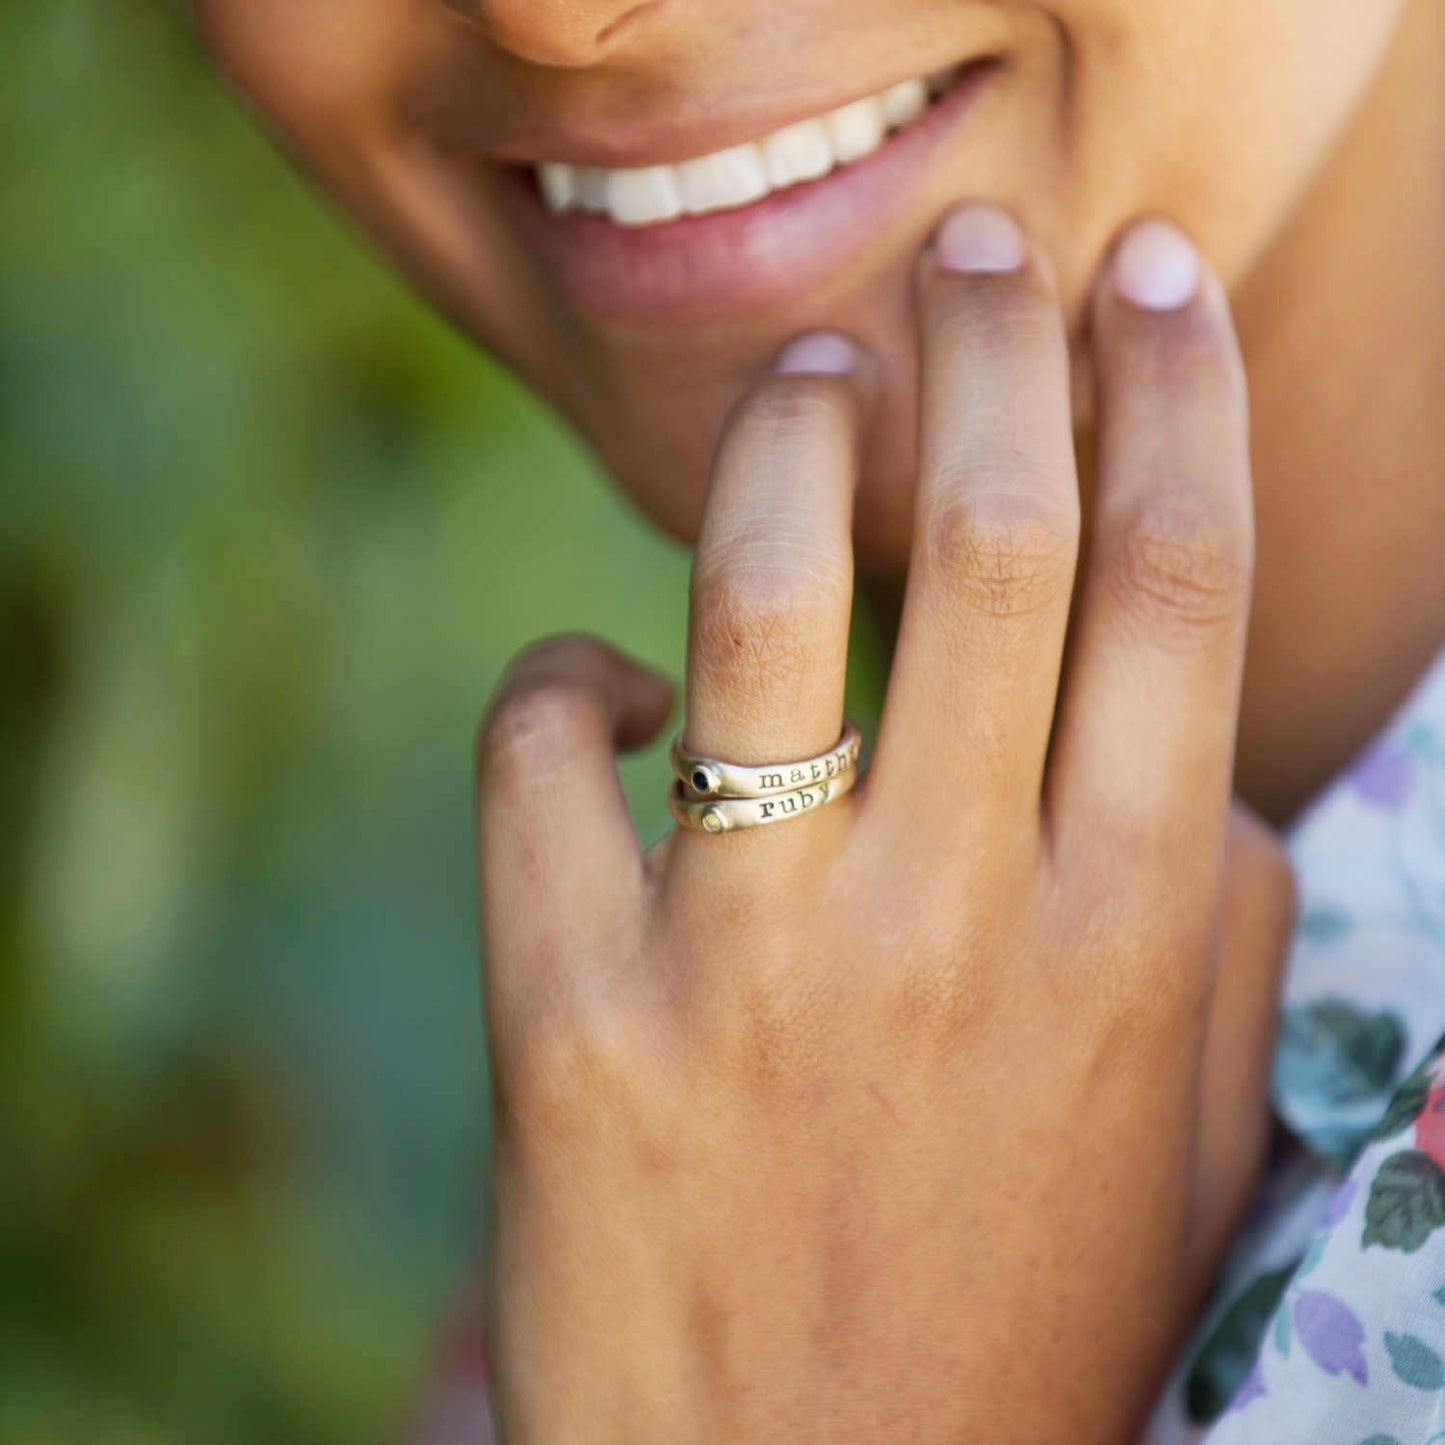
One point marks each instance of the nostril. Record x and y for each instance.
(614, 28)
(559, 34)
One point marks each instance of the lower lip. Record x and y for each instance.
(752, 258)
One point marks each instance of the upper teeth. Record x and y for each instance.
(646, 195)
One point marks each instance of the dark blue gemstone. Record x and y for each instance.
(699, 781)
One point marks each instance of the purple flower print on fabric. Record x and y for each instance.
(1340, 1202)
(1331, 1334)
(1384, 775)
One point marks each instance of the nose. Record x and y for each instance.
(566, 34)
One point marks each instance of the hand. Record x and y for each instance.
(927, 1115)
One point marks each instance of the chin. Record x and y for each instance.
(661, 457)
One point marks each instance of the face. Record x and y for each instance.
(635, 204)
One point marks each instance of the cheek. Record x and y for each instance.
(310, 64)
(652, 412)
(1220, 112)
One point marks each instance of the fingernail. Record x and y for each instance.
(979, 238)
(823, 353)
(1156, 266)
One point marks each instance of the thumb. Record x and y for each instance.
(555, 839)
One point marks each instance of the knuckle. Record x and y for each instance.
(969, 955)
(1008, 553)
(1261, 850)
(754, 620)
(559, 652)
(1285, 888)
(1277, 877)
(1142, 1008)
(531, 721)
(942, 998)
(1266, 894)
(1147, 983)
(780, 1035)
(568, 1061)
(1184, 565)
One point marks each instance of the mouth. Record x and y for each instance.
(743, 174)
(746, 227)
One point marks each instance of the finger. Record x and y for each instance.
(1260, 904)
(1144, 745)
(772, 579)
(557, 852)
(966, 724)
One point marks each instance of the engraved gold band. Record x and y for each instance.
(712, 778)
(723, 815)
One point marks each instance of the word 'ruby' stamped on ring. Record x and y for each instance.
(722, 815)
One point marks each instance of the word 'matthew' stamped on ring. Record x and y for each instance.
(714, 778)
(830, 767)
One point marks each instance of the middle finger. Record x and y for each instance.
(966, 724)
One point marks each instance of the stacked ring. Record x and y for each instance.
(711, 778)
(714, 796)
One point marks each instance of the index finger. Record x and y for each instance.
(772, 579)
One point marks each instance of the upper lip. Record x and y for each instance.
(620, 141)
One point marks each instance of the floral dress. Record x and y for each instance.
(1328, 1324)
(1328, 1327)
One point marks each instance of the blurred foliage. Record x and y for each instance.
(268, 533)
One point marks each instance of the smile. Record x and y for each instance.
(741, 174)
(754, 226)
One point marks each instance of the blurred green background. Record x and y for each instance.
(268, 534)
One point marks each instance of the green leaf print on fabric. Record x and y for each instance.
(1334, 1053)
(1414, 1361)
(1407, 1102)
(1324, 924)
(1312, 1255)
(1281, 1332)
(1224, 1359)
(1407, 1202)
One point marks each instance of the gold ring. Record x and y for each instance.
(712, 778)
(723, 815)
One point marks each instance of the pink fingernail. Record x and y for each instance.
(980, 238)
(1156, 266)
(823, 353)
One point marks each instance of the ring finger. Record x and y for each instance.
(1143, 752)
